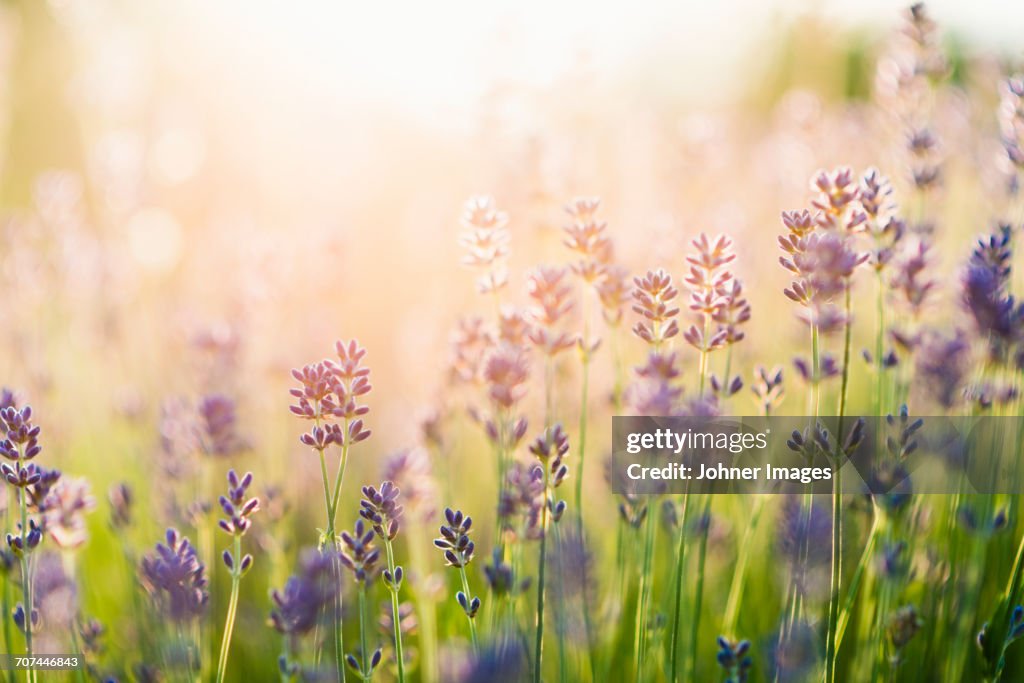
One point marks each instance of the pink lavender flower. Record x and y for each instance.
(64, 513)
(486, 240)
(653, 295)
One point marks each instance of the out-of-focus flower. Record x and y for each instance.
(64, 511)
(175, 578)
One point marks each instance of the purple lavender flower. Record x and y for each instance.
(359, 556)
(942, 363)
(175, 578)
(381, 509)
(121, 498)
(218, 426)
(411, 472)
(238, 508)
(306, 595)
(455, 542)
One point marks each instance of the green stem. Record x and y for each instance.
(739, 576)
(286, 657)
(340, 477)
(538, 652)
(582, 444)
(229, 623)
(395, 614)
(26, 582)
(365, 652)
(425, 608)
(851, 596)
(8, 638)
(469, 599)
(677, 608)
(880, 348)
(705, 523)
(587, 622)
(831, 651)
(332, 538)
(815, 392)
(646, 571)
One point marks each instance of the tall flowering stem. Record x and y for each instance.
(708, 284)
(329, 392)
(831, 262)
(654, 297)
(360, 558)
(549, 449)
(381, 509)
(716, 298)
(237, 510)
(458, 550)
(586, 237)
(486, 239)
(300, 605)
(176, 580)
(549, 292)
(768, 389)
(20, 445)
(886, 232)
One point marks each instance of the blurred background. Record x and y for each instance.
(197, 197)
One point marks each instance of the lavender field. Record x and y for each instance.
(314, 323)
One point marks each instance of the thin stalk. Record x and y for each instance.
(880, 347)
(640, 638)
(395, 616)
(229, 623)
(365, 652)
(549, 391)
(587, 623)
(26, 583)
(339, 478)
(286, 656)
(739, 576)
(582, 438)
(619, 372)
(815, 393)
(331, 502)
(469, 599)
(831, 651)
(426, 609)
(699, 591)
(677, 608)
(851, 596)
(538, 652)
(8, 638)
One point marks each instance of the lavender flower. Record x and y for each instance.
(238, 509)
(768, 388)
(941, 367)
(381, 509)
(411, 472)
(733, 657)
(653, 295)
(550, 293)
(120, 498)
(64, 512)
(175, 578)
(306, 595)
(359, 556)
(486, 239)
(218, 426)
